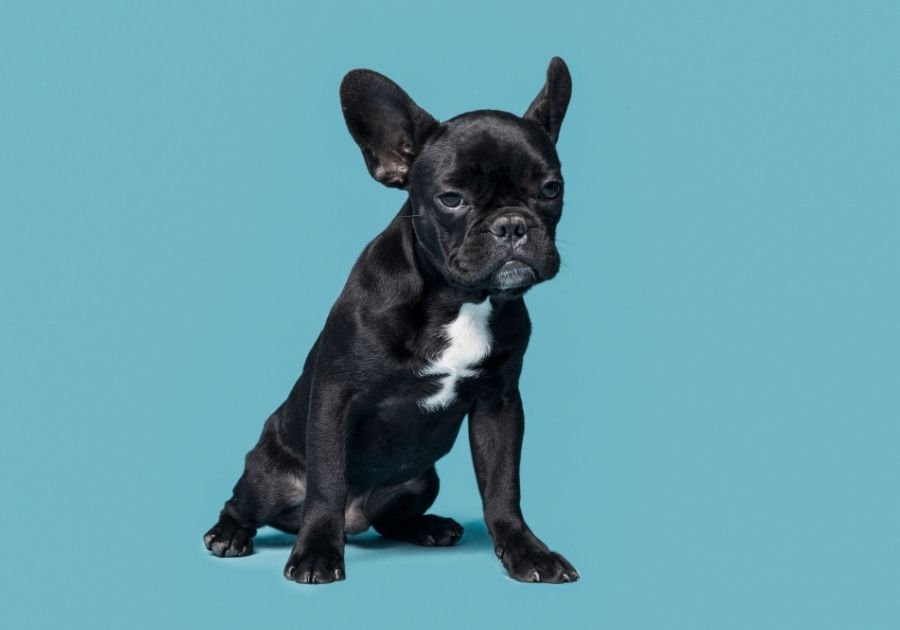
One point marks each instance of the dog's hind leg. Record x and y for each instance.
(271, 488)
(398, 512)
(288, 520)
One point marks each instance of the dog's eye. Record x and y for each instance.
(451, 200)
(551, 190)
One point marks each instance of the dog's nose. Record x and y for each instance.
(509, 227)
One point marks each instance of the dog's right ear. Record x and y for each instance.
(388, 126)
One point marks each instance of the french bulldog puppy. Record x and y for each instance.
(430, 328)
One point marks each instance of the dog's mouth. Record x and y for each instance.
(512, 279)
(513, 274)
(509, 278)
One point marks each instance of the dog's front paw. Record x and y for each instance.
(530, 561)
(318, 563)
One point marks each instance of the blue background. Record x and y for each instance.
(712, 387)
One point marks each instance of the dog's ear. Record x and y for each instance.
(388, 126)
(549, 107)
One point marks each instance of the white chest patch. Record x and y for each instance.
(469, 342)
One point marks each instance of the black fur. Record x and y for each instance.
(352, 445)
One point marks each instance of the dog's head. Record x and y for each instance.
(485, 188)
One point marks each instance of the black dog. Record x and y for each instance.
(430, 327)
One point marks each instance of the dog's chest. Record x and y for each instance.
(468, 344)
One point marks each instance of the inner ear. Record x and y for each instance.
(549, 106)
(386, 123)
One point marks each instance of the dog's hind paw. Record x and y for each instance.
(227, 539)
(427, 530)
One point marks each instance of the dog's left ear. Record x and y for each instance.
(388, 126)
(549, 107)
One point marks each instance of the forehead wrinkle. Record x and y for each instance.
(494, 160)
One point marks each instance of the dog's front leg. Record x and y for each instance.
(496, 427)
(318, 553)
